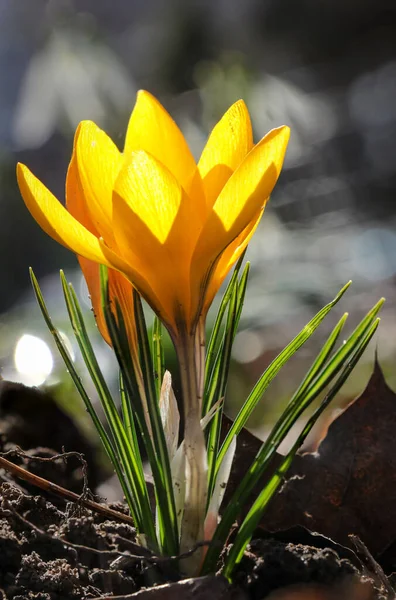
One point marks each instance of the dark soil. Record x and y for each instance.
(36, 564)
(50, 550)
(32, 420)
(34, 561)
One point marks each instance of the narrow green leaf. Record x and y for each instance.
(242, 285)
(128, 418)
(214, 339)
(161, 468)
(158, 355)
(320, 359)
(269, 374)
(218, 384)
(218, 390)
(347, 348)
(290, 416)
(130, 461)
(257, 510)
(316, 382)
(117, 331)
(107, 443)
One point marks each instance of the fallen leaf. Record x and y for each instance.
(349, 485)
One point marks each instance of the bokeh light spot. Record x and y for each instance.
(33, 360)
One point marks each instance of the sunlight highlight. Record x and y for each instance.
(33, 360)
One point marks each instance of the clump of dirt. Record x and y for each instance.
(270, 564)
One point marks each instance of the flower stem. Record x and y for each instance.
(192, 528)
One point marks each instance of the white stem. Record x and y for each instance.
(192, 528)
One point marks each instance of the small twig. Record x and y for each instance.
(48, 486)
(17, 451)
(372, 565)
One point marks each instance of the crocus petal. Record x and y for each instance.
(137, 278)
(119, 286)
(227, 259)
(52, 216)
(252, 183)
(243, 196)
(157, 227)
(227, 146)
(77, 207)
(90, 271)
(152, 129)
(158, 200)
(75, 198)
(120, 289)
(99, 162)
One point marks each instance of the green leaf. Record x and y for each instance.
(320, 359)
(335, 363)
(159, 457)
(107, 443)
(215, 337)
(154, 443)
(257, 510)
(218, 389)
(127, 415)
(158, 355)
(130, 461)
(289, 417)
(273, 369)
(218, 385)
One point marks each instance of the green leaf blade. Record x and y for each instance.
(254, 516)
(269, 374)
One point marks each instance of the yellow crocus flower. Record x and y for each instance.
(171, 227)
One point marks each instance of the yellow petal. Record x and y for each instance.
(252, 183)
(119, 288)
(243, 196)
(75, 198)
(227, 146)
(135, 273)
(158, 201)
(237, 207)
(90, 271)
(99, 162)
(152, 129)
(52, 216)
(157, 227)
(227, 259)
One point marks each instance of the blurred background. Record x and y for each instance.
(326, 68)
